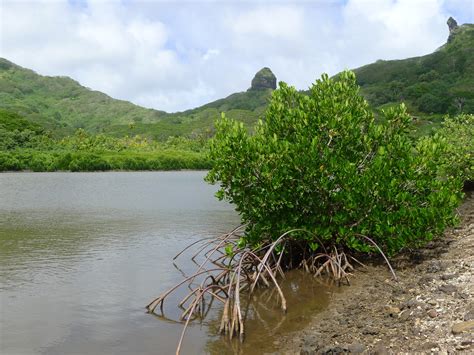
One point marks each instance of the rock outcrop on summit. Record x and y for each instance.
(264, 79)
(453, 26)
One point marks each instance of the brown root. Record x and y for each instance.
(227, 270)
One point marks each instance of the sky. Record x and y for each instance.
(177, 55)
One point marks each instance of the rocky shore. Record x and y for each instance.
(429, 310)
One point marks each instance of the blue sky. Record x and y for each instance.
(175, 55)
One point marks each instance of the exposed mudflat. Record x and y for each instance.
(429, 310)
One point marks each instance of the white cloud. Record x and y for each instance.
(178, 55)
(280, 22)
(210, 54)
(388, 29)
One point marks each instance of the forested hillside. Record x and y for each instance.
(432, 85)
(61, 105)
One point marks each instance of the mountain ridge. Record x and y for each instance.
(431, 85)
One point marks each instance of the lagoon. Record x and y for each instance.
(81, 254)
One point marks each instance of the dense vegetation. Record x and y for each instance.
(61, 105)
(244, 106)
(25, 146)
(431, 86)
(53, 123)
(458, 159)
(321, 163)
(38, 114)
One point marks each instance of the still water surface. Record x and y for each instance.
(81, 254)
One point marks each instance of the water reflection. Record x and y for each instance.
(266, 323)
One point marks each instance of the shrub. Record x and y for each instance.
(8, 162)
(88, 162)
(42, 162)
(458, 158)
(321, 163)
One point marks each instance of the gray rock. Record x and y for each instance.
(452, 24)
(264, 79)
(370, 331)
(404, 316)
(379, 349)
(447, 288)
(434, 266)
(425, 280)
(411, 304)
(356, 348)
(333, 350)
(446, 277)
(307, 350)
(429, 345)
(469, 315)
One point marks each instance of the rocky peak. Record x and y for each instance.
(264, 79)
(453, 26)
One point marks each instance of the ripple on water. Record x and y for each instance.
(82, 254)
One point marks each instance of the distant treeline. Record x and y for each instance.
(26, 146)
(28, 159)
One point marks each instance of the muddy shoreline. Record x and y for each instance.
(429, 310)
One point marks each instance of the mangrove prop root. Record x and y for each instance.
(226, 270)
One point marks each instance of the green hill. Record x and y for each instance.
(243, 106)
(11, 121)
(61, 104)
(432, 85)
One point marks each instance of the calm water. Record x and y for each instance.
(81, 254)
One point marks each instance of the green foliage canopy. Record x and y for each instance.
(458, 158)
(321, 163)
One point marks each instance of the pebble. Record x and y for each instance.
(306, 350)
(462, 327)
(425, 280)
(404, 315)
(370, 331)
(448, 288)
(434, 266)
(356, 348)
(331, 350)
(392, 311)
(429, 345)
(469, 315)
(432, 313)
(379, 349)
